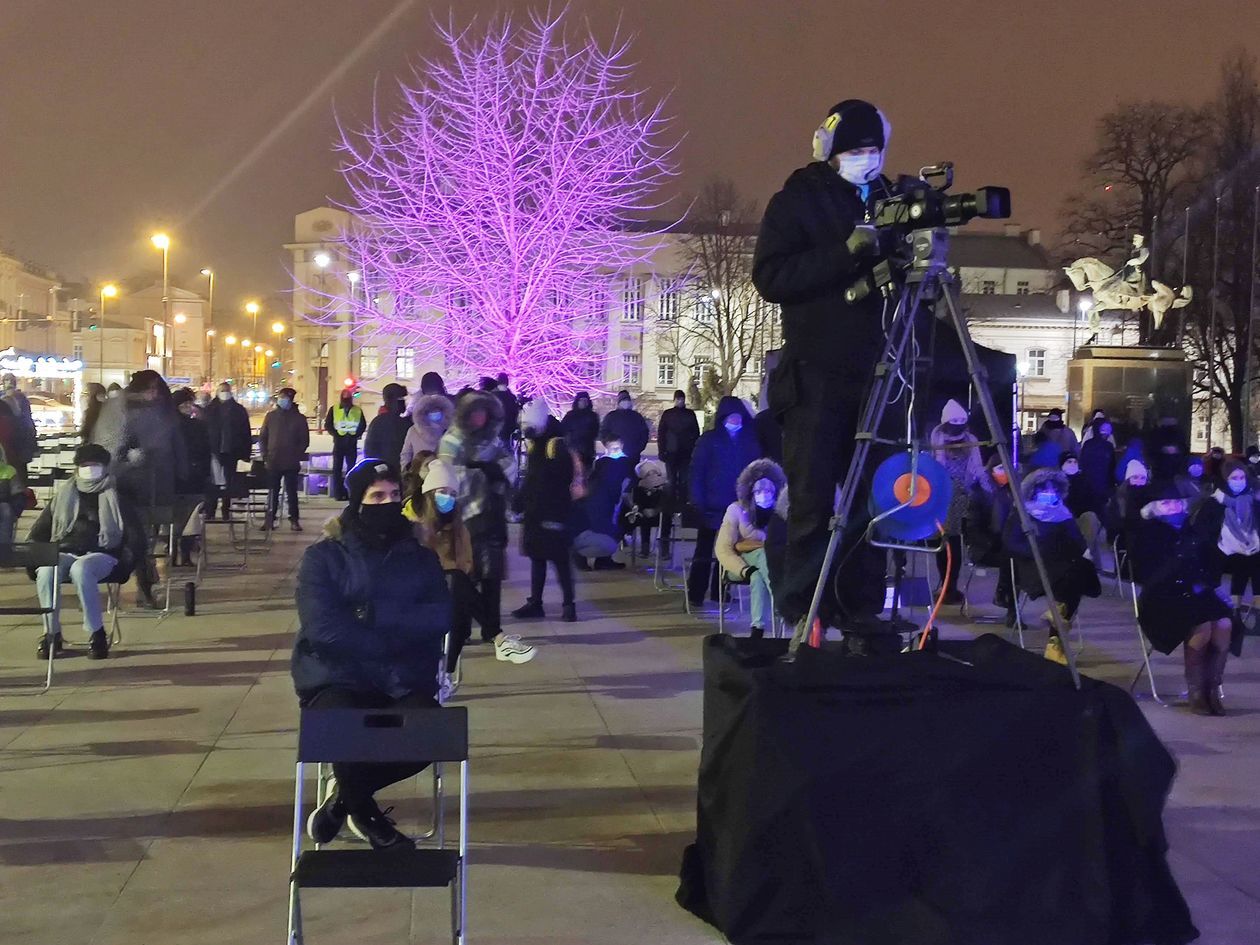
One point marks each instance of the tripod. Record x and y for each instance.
(927, 281)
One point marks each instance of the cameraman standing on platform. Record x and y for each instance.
(815, 242)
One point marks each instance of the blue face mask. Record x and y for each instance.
(1048, 499)
(734, 428)
(285, 403)
(614, 454)
(435, 416)
(445, 503)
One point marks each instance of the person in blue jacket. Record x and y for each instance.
(720, 456)
(373, 608)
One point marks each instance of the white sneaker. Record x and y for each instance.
(509, 648)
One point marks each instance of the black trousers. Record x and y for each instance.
(345, 454)
(467, 606)
(702, 572)
(564, 575)
(214, 492)
(819, 412)
(358, 782)
(289, 479)
(489, 611)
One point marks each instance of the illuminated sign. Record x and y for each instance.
(43, 366)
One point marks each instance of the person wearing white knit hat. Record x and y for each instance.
(957, 449)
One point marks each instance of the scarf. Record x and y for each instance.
(1240, 519)
(65, 510)
(1049, 514)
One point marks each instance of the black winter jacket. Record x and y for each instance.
(544, 497)
(227, 424)
(718, 460)
(386, 435)
(581, 428)
(370, 619)
(802, 264)
(197, 448)
(676, 435)
(627, 426)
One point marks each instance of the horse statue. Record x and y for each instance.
(1124, 289)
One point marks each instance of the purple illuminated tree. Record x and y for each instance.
(498, 202)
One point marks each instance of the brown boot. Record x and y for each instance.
(1214, 673)
(1196, 671)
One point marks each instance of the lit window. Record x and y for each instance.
(632, 295)
(369, 361)
(631, 369)
(1022, 288)
(706, 307)
(670, 293)
(756, 366)
(405, 364)
(666, 369)
(1036, 362)
(988, 287)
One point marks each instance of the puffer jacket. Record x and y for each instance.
(718, 460)
(545, 498)
(486, 468)
(370, 619)
(426, 434)
(150, 427)
(1061, 544)
(740, 523)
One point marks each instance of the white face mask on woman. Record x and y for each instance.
(91, 472)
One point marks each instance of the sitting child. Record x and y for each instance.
(760, 494)
(645, 503)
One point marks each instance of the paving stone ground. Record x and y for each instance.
(146, 799)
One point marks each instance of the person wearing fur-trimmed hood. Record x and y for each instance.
(760, 497)
(956, 448)
(1062, 546)
(431, 416)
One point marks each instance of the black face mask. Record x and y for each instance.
(383, 521)
(953, 429)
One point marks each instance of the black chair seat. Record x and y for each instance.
(24, 611)
(376, 869)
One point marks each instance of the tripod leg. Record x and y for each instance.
(979, 379)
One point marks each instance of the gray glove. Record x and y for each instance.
(862, 241)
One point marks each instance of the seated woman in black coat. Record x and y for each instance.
(1062, 548)
(1173, 561)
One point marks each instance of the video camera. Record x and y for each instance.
(906, 224)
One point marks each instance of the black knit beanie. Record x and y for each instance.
(861, 126)
(366, 472)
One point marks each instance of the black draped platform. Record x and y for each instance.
(923, 800)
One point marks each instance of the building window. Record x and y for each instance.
(706, 307)
(988, 287)
(632, 295)
(1022, 287)
(76, 320)
(1036, 362)
(631, 369)
(405, 364)
(78, 352)
(756, 366)
(670, 293)
(666, 369)
(369, 361)
(700, 369)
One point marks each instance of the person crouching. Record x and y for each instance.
(373, 608)
(761, 494)
(100, 538)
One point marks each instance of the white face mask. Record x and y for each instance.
(225, 395)
(859, 169)
(764, 499)
(91, 473)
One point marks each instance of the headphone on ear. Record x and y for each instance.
(825, 135)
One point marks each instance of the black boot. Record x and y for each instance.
(1214, 674)
(581, 563)
(98, 645)
(532, 609)
(568, 613)
(1196, 668)
(57, 646)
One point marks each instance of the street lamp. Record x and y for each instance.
(108, 291)
(163, 242)
(210, 334)
(180, 318)
(323, 260)
(209, 319)
(230, 341)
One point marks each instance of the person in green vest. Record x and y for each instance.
(346, 423)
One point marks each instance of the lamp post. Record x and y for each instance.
(210, 334)
(230, 341)
(163, 242)
(246, 362)
(108, 291)
(277, 329)
(209, 319)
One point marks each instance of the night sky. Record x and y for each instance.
(116, 118)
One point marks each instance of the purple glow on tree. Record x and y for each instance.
(493, 205)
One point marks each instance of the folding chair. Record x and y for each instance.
(679, 535)
(392, 736)
(971, 570)
(236, 490)
(35, 555)
(725, 582)
(1022, 598)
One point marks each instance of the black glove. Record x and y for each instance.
(747, 573)
(862, 241)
